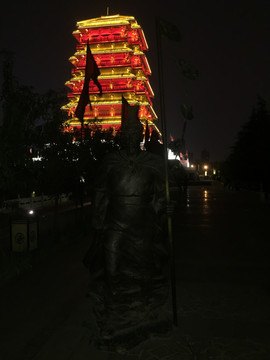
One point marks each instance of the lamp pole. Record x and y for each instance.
(165, 153)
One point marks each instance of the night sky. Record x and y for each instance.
(227, 41)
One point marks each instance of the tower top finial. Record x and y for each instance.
(108, 10)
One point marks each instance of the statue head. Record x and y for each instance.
(132, 131)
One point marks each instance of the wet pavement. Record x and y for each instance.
(222, 248)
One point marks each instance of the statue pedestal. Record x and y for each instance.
(123, 340)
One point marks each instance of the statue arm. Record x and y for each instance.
(162, 208)
(100, 199)
(159, 201)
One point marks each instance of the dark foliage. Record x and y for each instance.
(32, 127)
(248, 164)
(177, 146)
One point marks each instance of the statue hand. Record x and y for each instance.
(171, 208)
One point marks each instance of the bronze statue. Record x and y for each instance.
(128, 259)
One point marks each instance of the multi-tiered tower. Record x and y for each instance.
(117, 44)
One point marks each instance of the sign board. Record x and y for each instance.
(24, 235)
(19, 236)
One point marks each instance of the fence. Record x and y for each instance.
(34, 203)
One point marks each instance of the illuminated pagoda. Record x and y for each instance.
(117, 44)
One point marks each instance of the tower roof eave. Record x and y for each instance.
(110, 20)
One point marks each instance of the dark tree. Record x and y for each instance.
(20, 109)
(177, 146)
(33, 126)
(248, 164)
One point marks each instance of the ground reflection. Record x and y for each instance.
(205, 208)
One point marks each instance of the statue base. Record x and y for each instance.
(123, 340)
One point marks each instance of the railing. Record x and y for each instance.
(33, 203)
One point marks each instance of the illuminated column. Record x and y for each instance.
(117, 44)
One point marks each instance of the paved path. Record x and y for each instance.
(223, 291)
(223, 273)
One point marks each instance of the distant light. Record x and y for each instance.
(192, 165)
(171, 155)
(205, 167)
(37, 158)
(31, 212)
